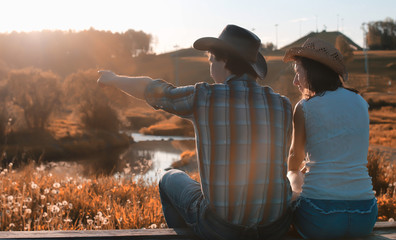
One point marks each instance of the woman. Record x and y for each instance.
(334, 192)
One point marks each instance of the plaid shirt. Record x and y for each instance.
(242, 133)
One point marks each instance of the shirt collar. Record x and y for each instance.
(244, 77)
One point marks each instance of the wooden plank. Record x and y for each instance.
(382, 234)
(382, 230)
(168, 233)
(380, 225)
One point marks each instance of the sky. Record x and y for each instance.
(177, 24)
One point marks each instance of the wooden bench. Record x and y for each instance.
(382, 231)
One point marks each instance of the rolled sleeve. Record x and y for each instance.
(176, 100)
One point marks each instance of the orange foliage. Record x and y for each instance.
(173, 126)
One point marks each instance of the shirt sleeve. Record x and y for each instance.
(176, 100)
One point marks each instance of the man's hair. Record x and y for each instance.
(321, 78)
(234, 64)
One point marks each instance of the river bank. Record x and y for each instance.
(41, 146)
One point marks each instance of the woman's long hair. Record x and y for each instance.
(321, 78)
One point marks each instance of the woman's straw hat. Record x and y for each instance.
(321, 51)
(239, 42)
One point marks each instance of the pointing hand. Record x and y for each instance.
(106, 78)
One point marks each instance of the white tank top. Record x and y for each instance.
(337, 133)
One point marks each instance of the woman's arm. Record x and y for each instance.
(297, 149)
(133, 86)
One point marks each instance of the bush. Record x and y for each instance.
(37, 92)
(377, 104)
(173, 126)
(376, 171)
(93, 104)
(3, 120)
(383, 174)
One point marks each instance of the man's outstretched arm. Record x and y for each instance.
(133, 86)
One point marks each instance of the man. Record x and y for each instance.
(242, 136)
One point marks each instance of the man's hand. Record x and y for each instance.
(106, 78)
(133, 86)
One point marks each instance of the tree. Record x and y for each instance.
(37, 92)
(137, 42)
(66, 52)
(346, 50)
(268, 47)
(94, 106)
(381, 35)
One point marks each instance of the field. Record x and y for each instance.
(38, 197)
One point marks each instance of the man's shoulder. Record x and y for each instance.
(274, 94)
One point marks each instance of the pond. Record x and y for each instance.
(151, 155)
(147, 157)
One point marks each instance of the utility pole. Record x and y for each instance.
(342, 24)
(175, 57)
(276, 36)
(366, 67)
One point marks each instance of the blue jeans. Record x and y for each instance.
(334, 219)
(183, 205)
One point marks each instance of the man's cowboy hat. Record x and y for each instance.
(239, 42)
(321, 51)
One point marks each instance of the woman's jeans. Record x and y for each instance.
(334, 219)
(184, 206)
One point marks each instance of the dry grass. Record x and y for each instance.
(35, 199)
(383, 126)
(174, 126)
(45, 197)
(383, 175)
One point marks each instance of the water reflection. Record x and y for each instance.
(147, 159)
(148, 163)
(103, 163)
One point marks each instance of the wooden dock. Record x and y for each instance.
(382, 231)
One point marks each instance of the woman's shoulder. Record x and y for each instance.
(338, 94)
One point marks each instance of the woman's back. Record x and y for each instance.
(337, 136)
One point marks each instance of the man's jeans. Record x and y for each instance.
(184, 206)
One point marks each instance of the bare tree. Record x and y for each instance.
(37, 92)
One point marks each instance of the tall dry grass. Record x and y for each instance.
(34, 199)
(383, 174)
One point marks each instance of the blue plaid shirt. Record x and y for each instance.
(242, 133)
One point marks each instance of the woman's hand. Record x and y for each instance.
(296, 179)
